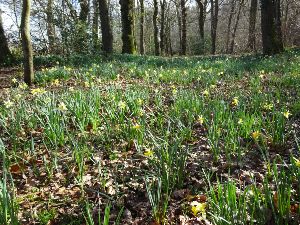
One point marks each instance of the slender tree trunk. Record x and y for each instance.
(162, 26)
(84, 10)
(271, 27)
(107, 36)
(26, 43)
(4, 49)
(184, 27)
(232, 7)
(252, 25)
(142, 16)
(95, 24)
(179, 25)
(214, 24)
(201, 20)
(241, 2)
(50, 26)
(128, 38)
(155, 27)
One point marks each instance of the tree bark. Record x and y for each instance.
(95, 24)
(5, 53)
(162, 26)
(155, 27)
(26, 43)
(50, 26)
(184, 27)
(232, 7)
(241, 2)
(142, 22)
(252, 25)
(201, 20)
(128, 38)
(271, 27)
(84, 10)
(107, 36)
(214, 24)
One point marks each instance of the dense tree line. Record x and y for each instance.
(202, 26)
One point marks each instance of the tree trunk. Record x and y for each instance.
(142, 16)
(252, 24)
(155, 27)
(179, 24)
(271, 27)
(84, 10)
(128, 38)
(50, 26)
(214, 24)
(241, 2)
(184, 27)
(107, 36)
(162, 26)
(232, 7)
(95, 24)
(201, 20)
(26, 43)
(4, 50)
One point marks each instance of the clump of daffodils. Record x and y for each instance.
(205, 93)
(55, 82)
(198, 209)
(38, 91)
(268, 106)
(23, 86)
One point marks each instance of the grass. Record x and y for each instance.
(131, 131)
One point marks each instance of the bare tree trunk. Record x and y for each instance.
(155, 27)
(184, 27)
(26, 43)
(95, 24)
(252, 24)
(232, 7)
(179, 24)
(128, 38)
(162, 26)
(84, 10)
(271, 27)
(4, 49)
(50, 26)
(107, 36)
(241, 2)
(142, 16)
(201, 20)
(214, 24)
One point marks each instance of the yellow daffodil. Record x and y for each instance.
(287, 114)
(62, 107)
(8, 104)
(200, 119)
(240, 121)
(71, 89)
(14, 80)
(139, 101)
(122, 105)
(136, 126)
(198, 209)
(297, 162)
(235, 101)
(148, 152)
(268, 106)
(213, 86)
(55, 82)
(255, 135)
(205, 93)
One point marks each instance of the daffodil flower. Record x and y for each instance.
(287, 114)
(62, 107)
(240, 121)
(297, 162)
(255, 135)
(235, 101)
(136, 126)
(200, 119)
(205, 93)
(122, 105)
(148, 152)
(198, 209)
(8, 104)
(38, 91)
